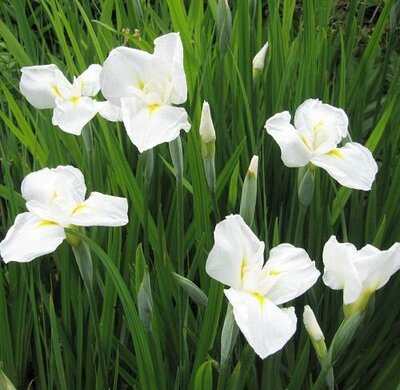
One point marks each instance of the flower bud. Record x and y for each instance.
(207, 131)
(249, 192)
(314, 331)
(207, 136)
(258, 61)
(5, 383)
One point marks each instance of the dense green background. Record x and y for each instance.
(344, 52)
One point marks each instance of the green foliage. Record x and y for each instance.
(158, 329)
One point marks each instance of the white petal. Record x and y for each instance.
(124, 69)
(53, 193)
(89, 80)
(328, 124)
(46, 184)
(109, 111)
(149, 126)
(340, 272)
(294, 152)
(266, 327)
(236, 252)
(72, 115)
(169, 48)
(30, 237)
(40, 84)
(101, 210)
(375, 267)
(353, 166)
(38, 186)
(290, 272)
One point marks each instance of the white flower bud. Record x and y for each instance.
(311, 324)
(253, 167)
(207, 131)
(259, 60)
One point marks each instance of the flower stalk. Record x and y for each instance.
(84, 261)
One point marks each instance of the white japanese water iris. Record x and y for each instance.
(359, 273)
(55, 199)
(45, 86)
(146, 87)
(257, 289)
(314, 138)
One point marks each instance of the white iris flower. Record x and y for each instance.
(314, 138)
(55, 199)
(45, 86)
(146, 86)
(257, 289)
(359, 273)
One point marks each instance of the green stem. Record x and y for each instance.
(148, 157)
(175, 148)
(342, 216)
(84, 262)
(298, 237)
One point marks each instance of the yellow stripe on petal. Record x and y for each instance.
(260, 298)
(153, 107)
(46, 223)
(56, 90)
(274, 272)
(78, 208)
(243, 267)
(335, 153)
(74, 99)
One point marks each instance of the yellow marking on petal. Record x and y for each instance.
(54, 195)
(243, 267)
(305, 141)
(45, 223)
(56, 90)
(260, 298)
(336, 153)
(78, 208)
(140, 85)
(153, 107)
(274, 272)
(319, 124)
(74, 99)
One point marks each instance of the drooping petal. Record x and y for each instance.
(353, 166)
(124, 70)
(109, 111)
(267, 328)
(294, 152)
(100, 210)
(326, 125)
(340, 272)
(375, 267)
(169, 48)
(73, 114)
(30, 237)
(40, 85)
(89, 80)
(236, 251)
(150, 125)
(288, 273)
